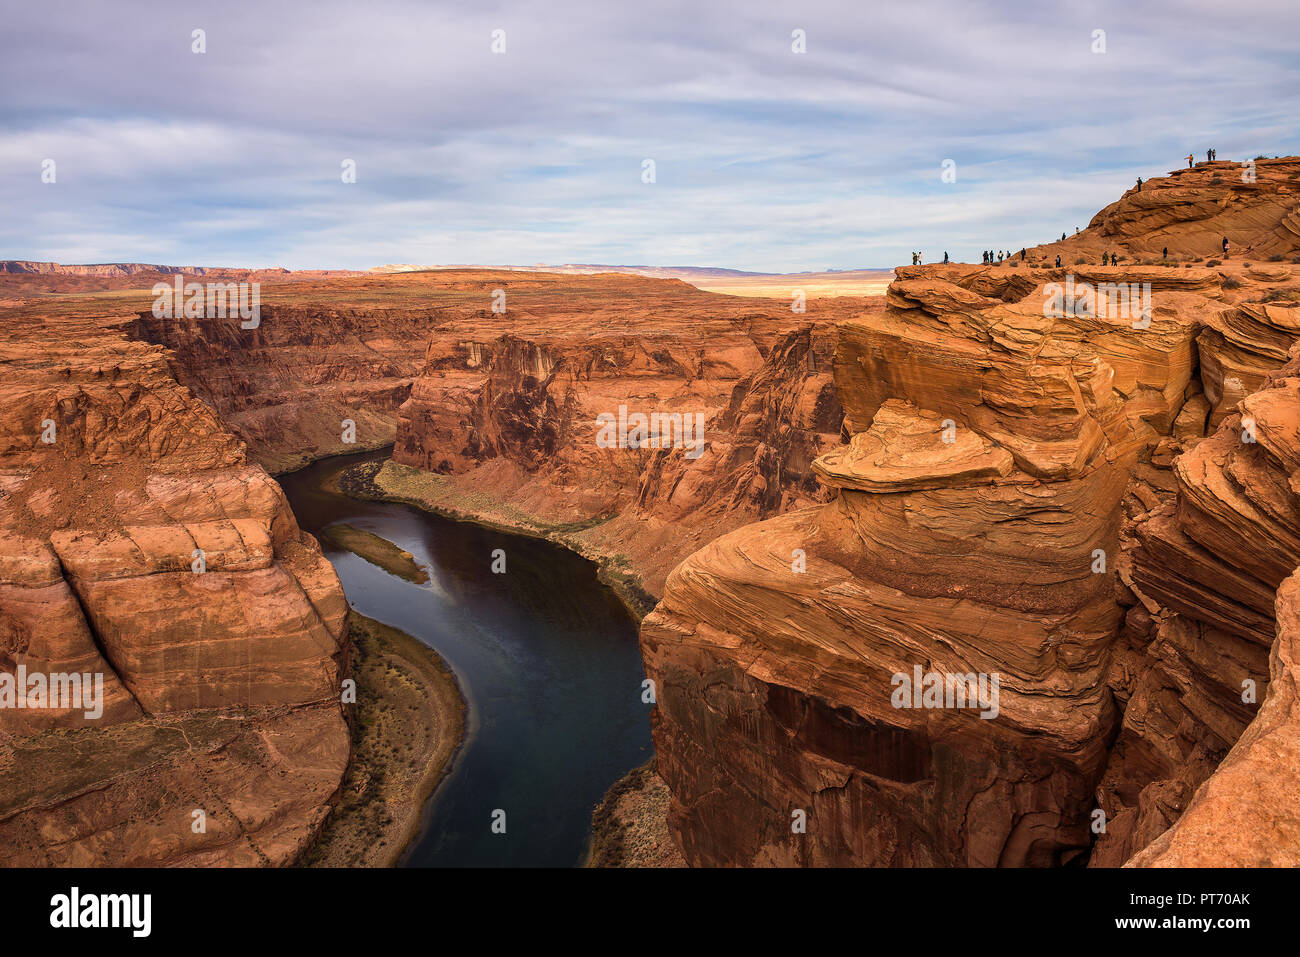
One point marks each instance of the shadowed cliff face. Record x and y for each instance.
(289, 387)
(1011, 502)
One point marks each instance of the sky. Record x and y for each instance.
(765, 159)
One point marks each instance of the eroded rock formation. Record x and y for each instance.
(507, 406)
(1026, 493)
(137, 543)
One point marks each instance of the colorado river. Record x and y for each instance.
(546, 656)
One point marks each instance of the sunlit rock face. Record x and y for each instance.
(139, 546)
(1026, 491)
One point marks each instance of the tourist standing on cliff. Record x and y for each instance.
(1165, 254)
(1189, 160)
(945, 257)
(1225, 247)
(1058, 262)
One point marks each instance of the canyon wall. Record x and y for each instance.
(138, 544)
(1206, 642)
(506, 409)
(1027, 492)
(502, 406)
(290, 387)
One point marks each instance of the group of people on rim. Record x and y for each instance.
(1210, 157)
(992, 258)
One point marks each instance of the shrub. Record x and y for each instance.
(1232, 282)
(1276, 258)
(1212, 262)
(1081, 261)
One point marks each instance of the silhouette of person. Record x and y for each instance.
(1225, 247)
(1209, 155)
(1189, 160)
(1139, 184)
(1165, 254)
(1062, 237)
(1058, 262)
(1022, 253)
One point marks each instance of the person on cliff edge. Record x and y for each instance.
(945, 257)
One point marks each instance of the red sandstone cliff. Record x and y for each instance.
(774, 648)
(507, 406)
(221, 687)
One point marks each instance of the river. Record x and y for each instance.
(546, 656)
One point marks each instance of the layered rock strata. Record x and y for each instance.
(510, 406)
(997, 444)
(1210, 636)
(138, 546)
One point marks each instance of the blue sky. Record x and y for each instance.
(765, 159)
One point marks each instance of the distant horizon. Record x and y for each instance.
(417, 267)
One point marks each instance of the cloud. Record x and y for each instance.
(765, 159)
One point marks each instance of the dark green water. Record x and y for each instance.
(546, 656)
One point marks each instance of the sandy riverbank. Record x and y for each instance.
(629, 828)
(409, 723)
